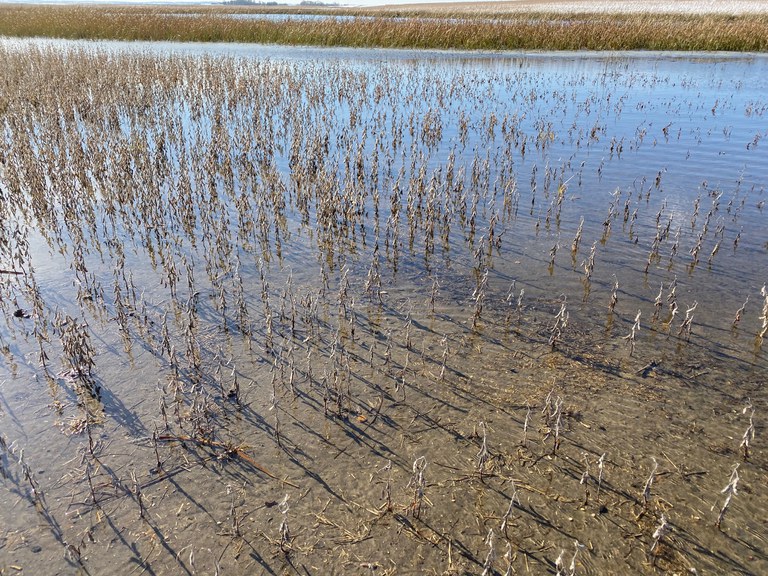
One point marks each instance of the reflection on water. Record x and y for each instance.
(219, 263)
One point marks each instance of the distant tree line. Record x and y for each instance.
(274, 3)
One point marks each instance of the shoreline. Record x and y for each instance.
(305, 51)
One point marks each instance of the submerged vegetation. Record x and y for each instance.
(372, 28)
(285, 316)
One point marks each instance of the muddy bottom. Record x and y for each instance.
(368, 448)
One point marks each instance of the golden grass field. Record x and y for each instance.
(464, 26)
(602, 6)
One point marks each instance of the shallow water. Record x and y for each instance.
(374, 246)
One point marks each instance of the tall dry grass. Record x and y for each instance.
(744, 33)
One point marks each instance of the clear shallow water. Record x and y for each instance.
(279, 215)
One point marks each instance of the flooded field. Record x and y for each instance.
(296, 311)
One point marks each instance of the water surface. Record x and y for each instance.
(510, 264)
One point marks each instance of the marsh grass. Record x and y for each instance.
(412, 29)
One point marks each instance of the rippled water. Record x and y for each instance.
(368, 241)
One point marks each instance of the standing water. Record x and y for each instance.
(283, 310)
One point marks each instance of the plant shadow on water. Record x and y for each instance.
(274, 315)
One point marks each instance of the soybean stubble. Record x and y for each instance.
(287, 313)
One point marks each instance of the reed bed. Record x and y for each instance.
(419, 29)
(277, 316)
